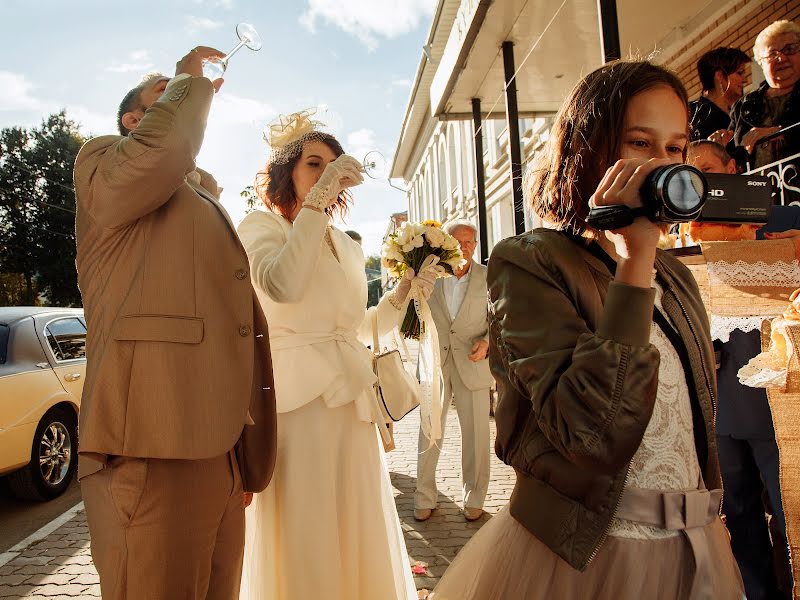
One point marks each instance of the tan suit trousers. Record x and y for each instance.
(473, 417)
(167, 529)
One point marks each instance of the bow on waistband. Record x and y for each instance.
(687, 511)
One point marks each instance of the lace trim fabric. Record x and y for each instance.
(282, 155)
(756, 274)
(394, 300)
(320, 196)
(722, 327)
(329, 242)
(666, 458)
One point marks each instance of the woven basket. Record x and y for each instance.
(785, 406)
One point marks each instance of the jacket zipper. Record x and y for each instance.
(628, 471)
(611, 522)
(702, 360)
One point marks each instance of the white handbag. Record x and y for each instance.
(397, 391)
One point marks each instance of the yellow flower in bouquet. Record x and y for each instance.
(408, 248)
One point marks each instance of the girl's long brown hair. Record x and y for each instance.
(586, 137)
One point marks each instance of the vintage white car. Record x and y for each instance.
(42, 368)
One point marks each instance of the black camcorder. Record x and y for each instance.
(680, 193)
(670, 194)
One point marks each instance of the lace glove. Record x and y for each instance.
(424, 282)
(340, 174)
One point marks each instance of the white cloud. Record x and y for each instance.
(91, 122)
(128, 67)
(401, 83)
(140, 55)
(138, 60)
(17, 94)
(230, 109)
(366, 19)
(198, 24)
(360, 142)
(226, 4)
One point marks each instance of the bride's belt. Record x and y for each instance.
(339, 380)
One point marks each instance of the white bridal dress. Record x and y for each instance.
(327, 526)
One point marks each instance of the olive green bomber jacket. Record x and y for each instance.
(577, 380)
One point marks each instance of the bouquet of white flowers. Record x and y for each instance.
(412, 246)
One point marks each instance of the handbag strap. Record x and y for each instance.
(397, 336)
(375, 348)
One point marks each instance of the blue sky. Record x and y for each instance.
(357, 57)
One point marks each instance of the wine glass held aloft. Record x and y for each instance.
(214, 68)
(374, 165)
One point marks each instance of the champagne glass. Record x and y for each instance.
(214, 67)
(374, 165)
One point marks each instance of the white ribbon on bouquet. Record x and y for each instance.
(429, 365)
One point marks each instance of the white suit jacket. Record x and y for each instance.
(457, 335)
(316, 306)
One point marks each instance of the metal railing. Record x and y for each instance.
(784, 174)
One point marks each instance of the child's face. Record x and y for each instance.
(655, 126)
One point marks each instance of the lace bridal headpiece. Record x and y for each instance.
(287, 135)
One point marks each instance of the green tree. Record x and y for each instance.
(251, 199)
(18, 216)
(56, 144)
(37, 211)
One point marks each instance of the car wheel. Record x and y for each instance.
(54, 458)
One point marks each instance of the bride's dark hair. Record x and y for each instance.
(275, 188)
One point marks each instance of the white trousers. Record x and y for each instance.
(472, 408)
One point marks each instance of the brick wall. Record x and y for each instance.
(741, 24)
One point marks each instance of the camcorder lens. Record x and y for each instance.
(675, 193)
(670, 194)
(685, 192)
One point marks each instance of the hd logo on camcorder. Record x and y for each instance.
(718, 193)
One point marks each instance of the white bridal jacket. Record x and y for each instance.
(316, 310)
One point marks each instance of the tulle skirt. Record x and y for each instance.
(327, 526)
(504, 561)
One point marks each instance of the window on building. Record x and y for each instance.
(452, 154)
(468, 154)
(445, 200)
(500, 141)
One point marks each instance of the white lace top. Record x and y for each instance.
(666, 458)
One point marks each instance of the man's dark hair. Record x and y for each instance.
(133, 100)
(354, 235)
(727, 60)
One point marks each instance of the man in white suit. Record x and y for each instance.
(460, 309)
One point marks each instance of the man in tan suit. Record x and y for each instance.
(460, 309)
(178, 413)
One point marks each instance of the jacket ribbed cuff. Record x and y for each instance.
(627, 314)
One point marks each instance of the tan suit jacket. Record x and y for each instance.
(177, 345)
(457, 335)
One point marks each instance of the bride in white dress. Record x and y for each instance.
(327, 526)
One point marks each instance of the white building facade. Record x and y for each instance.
(555, 44)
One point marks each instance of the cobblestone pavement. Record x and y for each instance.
(60, 565)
